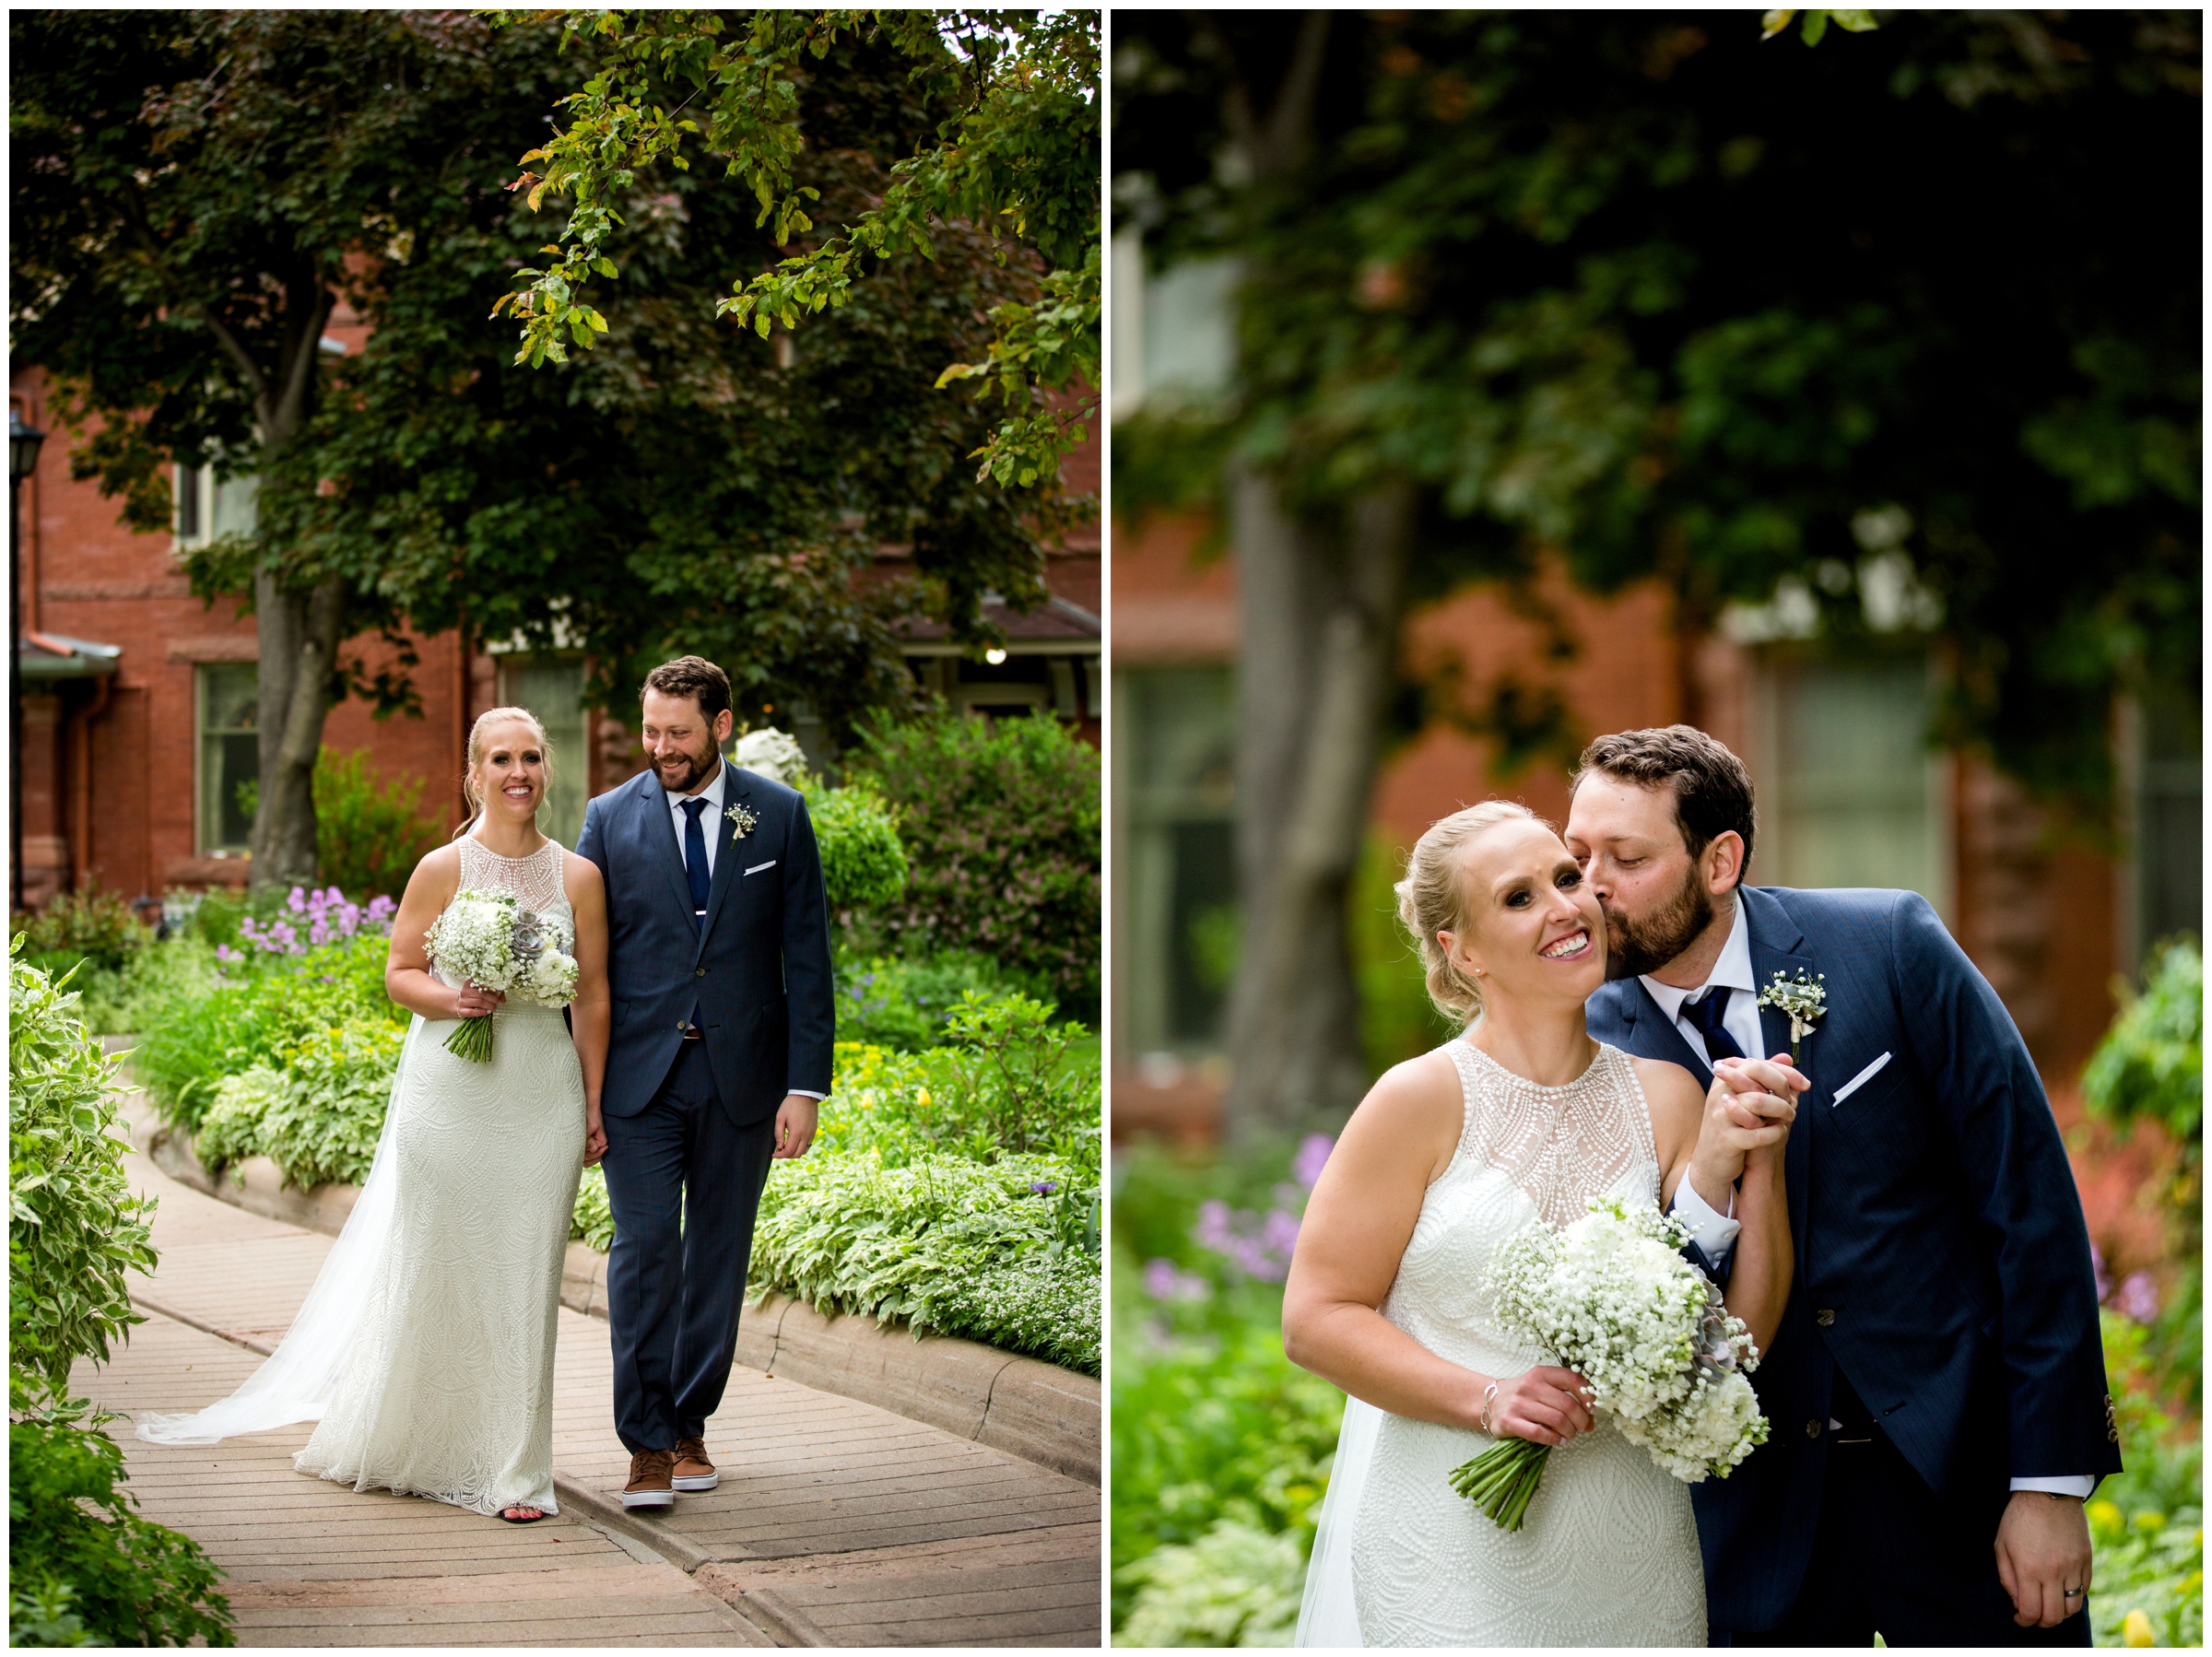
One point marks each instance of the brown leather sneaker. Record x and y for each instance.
(649, 1486)
(693, 1470)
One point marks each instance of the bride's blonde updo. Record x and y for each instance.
(1433, 899)
(471, 790)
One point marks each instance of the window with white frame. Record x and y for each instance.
(1850, 792)
(230, 755)
(208, 507)
(552, 689)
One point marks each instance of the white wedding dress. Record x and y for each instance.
(425, 1346)
(1607, 1554)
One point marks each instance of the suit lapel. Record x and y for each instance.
(1665, 1035)
(1775, 941)
(657, 824)
(735, 793)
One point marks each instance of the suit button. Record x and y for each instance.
(679, 1024)
(1812, 1429)
(1825, 1316)
(701, 972)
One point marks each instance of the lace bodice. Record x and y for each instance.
(1526, 1154)
(1609, 1554)
(535, 880)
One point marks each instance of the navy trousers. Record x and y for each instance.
(685, 1186)
(1891, 1556)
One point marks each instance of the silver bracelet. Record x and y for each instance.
(1490, 1398)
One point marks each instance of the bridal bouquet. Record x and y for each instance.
(489, 940)
(1612, 1298)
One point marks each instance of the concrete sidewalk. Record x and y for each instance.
(837, 1523)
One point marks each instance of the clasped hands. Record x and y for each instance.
(1749, 1111)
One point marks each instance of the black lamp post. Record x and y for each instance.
(23, 443)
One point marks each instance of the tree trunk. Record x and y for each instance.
(298, 629)
(1321, 614)
(300, 633)
(1320, 603)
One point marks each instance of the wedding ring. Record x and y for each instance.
(2073, 1594)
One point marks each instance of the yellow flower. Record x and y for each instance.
(2135, 1630)
(2105, 1515)
(2150, 1522)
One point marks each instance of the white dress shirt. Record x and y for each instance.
(709, 821)
(1716, 1233)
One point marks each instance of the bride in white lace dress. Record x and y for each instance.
(1515, 1125)
(426, 1348)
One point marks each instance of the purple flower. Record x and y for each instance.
(2104, 1278)
(1312, 1153)
(1043, 1188)
(1254, 1247)
(299, 901)
(1164, 1282)
(2138, 1297)
(228, 956)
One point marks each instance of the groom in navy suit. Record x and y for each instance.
(1936, 1390)
(718, 961)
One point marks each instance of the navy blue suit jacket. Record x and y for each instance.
(757, 973)
(1942, 1261)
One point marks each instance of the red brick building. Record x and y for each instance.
(1848, 795)
(137, 697)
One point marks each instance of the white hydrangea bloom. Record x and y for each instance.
(1612, 1298)
(472, 942)
(550, 981)
(772, 753)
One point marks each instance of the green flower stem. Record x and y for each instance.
(472, 1040)
(1503, 1480)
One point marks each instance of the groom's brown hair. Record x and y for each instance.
(695, 677)
(1711, 789)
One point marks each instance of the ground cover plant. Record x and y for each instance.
(1221, 1445)
(84, 1568)
(956, 1190)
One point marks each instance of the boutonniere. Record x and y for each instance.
(1803, 999)
(742, 823)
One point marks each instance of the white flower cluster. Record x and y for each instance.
(1612, 1298)
(770, 753)
(489, 940)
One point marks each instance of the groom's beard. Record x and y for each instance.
(694, 771)
(1635, 946)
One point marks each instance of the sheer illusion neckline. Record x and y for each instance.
(1597, 1057)
(526, 857)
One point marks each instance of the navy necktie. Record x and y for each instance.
(695, 859)
(1704, 1015)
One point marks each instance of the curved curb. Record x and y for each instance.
(1022, 1406)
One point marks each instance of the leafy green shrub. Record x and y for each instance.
(74, 1226)
(256, 1010)
(2149, 1067)
(1213, 1427)
(94, 934)
(945, 1244)
(1237, 1585)
(84, 1566)
(318, 1117)
(863, 865)
(594, 1220)
(1009, 814)
(885, 1001)
(95, 925)
(371, 832)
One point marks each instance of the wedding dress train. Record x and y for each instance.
(1607, 1554)
(425, 1346)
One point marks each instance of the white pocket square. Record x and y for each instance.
(772, 864)
(1857, 1082)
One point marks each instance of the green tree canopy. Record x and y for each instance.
(1902, 323)
(195, 192)
(1014, 158)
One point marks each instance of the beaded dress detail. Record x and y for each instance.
(1608, 1552)
(447, 1389)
